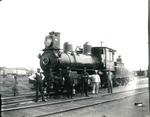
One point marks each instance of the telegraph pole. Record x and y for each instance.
(101, 43)
(149, 50)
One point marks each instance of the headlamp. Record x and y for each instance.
(48, 41)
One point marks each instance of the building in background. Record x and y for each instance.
(4, 71)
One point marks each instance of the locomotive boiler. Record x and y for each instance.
(55, 60)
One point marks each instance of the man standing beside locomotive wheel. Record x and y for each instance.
(109, 82)
(50, 80)
(84, 82)
(69, 83)
(38, 77)
(96, 82)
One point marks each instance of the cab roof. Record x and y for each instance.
(106, 48)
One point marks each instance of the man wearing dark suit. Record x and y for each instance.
(84, 82)
(69, 84)
(110, 82)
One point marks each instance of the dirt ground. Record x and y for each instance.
(123, 108)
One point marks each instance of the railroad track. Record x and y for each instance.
(29, 98)
(45, 104)
(19, 100)
(73, 107)
(74, 104)
(17, 97)
(30, 94)
(9, 93)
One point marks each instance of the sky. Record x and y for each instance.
(120, 24)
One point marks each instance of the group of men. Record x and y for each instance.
(69, 83)
(96, 82)
(85, 81)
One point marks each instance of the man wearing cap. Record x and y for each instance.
(84, 82)
(109, 82)
(38, 77)
(69, 83)
(96, 82)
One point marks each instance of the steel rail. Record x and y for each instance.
(27, 100)
(45, 104)
(22, 96)
(17, 101)
(123, 91)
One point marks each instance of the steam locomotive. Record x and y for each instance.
(56, 61)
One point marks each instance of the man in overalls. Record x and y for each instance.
(38, 77)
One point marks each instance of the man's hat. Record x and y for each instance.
(38, 69)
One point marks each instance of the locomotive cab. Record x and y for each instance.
(106, 56)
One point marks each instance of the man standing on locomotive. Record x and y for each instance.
(38, 77)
